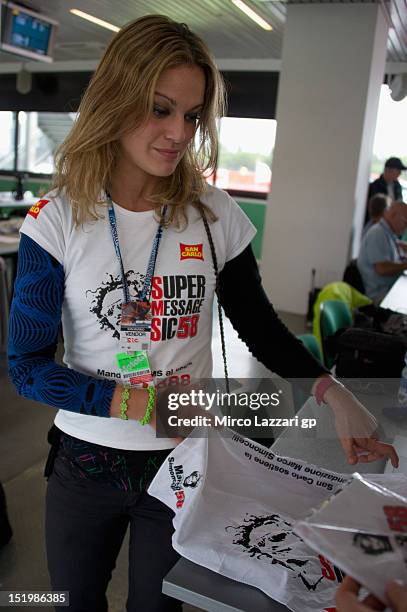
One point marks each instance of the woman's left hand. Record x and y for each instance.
(347, 598)
(356, 428)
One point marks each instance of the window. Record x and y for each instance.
(246, 148)
(7, 126)
(390, 136)
(40, 134)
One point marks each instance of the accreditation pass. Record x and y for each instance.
(135, 369)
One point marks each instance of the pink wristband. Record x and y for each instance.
(322, 387)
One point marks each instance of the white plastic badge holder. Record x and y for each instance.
(363, 530)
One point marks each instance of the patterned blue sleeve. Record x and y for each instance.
(34, 323)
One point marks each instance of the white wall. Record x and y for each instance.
(332, 67)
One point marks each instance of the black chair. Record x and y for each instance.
(5, 529)
(353, 277)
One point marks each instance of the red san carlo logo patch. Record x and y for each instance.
(37, 207)
(191, 251)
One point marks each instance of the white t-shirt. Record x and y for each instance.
(182, 297)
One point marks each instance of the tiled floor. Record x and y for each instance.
(23, 448)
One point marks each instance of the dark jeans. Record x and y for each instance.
(5, 528)
(86, 522)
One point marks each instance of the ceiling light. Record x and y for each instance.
(100, 22)
(250, 13)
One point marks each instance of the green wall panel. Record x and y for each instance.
(256, 211)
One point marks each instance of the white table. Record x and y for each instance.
(396, 299)
(210, 591)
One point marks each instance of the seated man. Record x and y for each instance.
(381, 258)
(376, 207)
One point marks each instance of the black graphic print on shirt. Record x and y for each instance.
(176, 303)
(271, 539)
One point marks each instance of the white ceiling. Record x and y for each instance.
(228, 32)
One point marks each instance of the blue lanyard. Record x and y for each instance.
(145, 292)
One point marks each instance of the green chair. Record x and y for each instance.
(334, 315)
(311, 343)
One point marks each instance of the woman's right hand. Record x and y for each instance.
(184, 410)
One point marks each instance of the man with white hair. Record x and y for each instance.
(382, 256)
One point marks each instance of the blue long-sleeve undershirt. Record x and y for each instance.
(34, 324)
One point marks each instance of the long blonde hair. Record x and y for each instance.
(120, 94)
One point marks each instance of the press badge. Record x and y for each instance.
(135, 369)
(135, 326)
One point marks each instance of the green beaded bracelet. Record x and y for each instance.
(150, 406)
(123, 403)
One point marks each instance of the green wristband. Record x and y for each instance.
(123, 403)
(150, 406)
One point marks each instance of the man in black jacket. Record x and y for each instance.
(387, 182)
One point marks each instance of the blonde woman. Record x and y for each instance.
(119, 252)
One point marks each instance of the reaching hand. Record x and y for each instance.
(356, 428)
(397, 595)
(347, 599)
(183, 413)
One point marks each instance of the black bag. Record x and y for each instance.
(353, 277)
(363, 353)
(54, 440)
(396, 325)
(381, 319)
